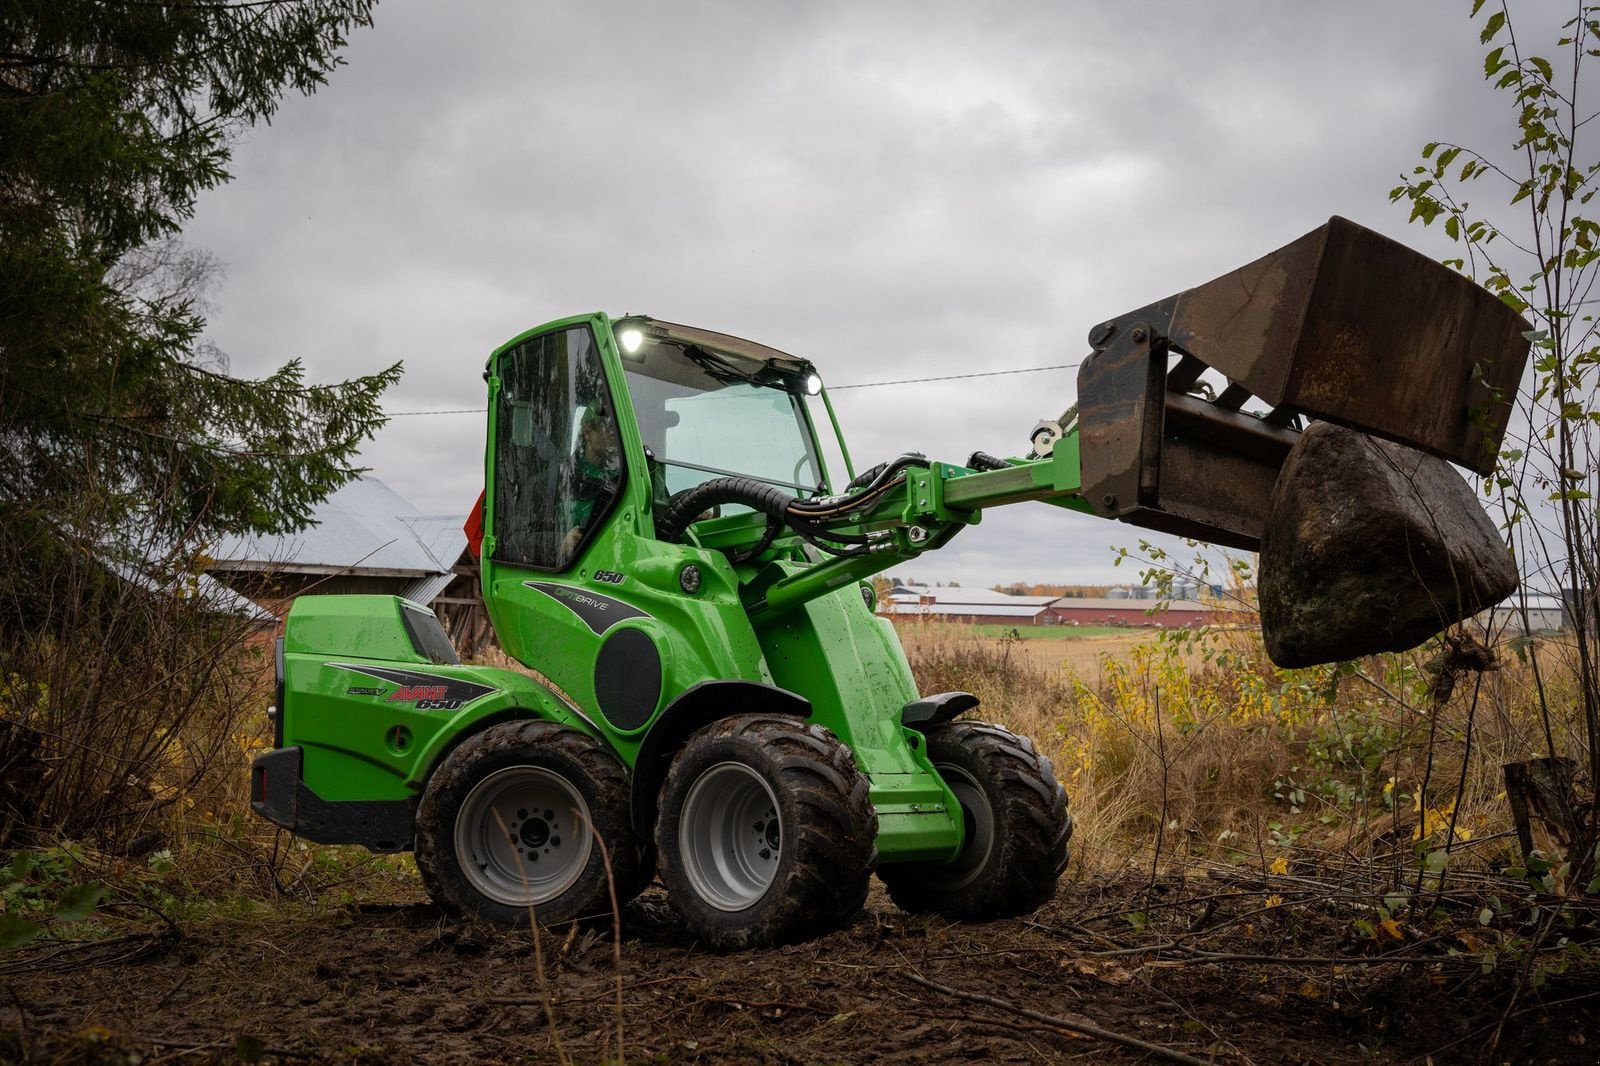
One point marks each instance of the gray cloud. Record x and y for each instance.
(894, 190)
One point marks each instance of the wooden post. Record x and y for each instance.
(1545, 810)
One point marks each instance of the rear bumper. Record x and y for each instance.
(279, 795)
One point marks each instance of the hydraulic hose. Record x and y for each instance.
(808, 518)
(684, 507)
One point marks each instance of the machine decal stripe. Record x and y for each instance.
(416, 685)
(597, 612)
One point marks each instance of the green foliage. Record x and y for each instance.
(41, 889)
(1538, 249)
(113, 119)
(127, 446)
(1342, 769)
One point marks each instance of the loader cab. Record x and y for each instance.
(594, 424)
(598, 417)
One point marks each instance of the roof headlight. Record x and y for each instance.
(813, 384)
(631, 340)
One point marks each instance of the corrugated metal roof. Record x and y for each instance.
(1084, 603)
(424, 589)
(957, 594)
(226, 600)
(442, 536)
(363, 526)
(216, 595)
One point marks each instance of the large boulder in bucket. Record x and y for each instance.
(1371, 546)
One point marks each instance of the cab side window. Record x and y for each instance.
(558, 461)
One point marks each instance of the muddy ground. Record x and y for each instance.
(397, 982)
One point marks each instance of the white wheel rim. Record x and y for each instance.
(517, 838)
(730, 836)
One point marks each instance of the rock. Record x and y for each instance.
(1371, 546)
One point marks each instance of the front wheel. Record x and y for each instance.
(1017, 828)
(507, 827)
(766, 832)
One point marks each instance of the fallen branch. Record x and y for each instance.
(73, 954)
(217, 1045)
(1069, 1024)
(770, 1004)
(998, 1023)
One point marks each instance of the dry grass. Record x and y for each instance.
(1177, 747)
(1172, 752)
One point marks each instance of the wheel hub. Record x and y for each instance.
(535, 832)
(522, 836)
(977, 820)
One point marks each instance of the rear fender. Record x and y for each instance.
(526, 700)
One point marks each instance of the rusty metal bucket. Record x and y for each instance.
(1343, 324)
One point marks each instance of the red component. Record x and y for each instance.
(474, 528)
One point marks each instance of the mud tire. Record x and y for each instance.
(543, 755)
(1016, 844)
(824, 843)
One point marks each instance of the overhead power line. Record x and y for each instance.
(831, 388)
(954, 377)
(459, 411)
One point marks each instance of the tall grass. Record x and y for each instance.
(1195, 745)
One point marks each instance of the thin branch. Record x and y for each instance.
(1071, 1024)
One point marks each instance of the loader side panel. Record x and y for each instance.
(359, 735)
(622, 646)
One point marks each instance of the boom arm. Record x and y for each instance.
(927, 506)
(1342, 324)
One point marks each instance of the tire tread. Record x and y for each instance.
(1033, 827)
(835, 839)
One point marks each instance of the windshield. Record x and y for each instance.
(701, 419)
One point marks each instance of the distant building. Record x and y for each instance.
(1126, 611)
(952, 603)
(1545, 612)
(364, 538)
(955, 604)
(1182, 588)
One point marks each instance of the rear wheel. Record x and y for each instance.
(509, 823)
(766, 833)
(1017, 828)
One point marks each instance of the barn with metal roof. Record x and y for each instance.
(952, 603)
(364, 538)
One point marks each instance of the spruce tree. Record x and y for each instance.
(114, 116)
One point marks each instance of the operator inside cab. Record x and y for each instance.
(595, 468)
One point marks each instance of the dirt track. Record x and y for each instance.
(397, 983)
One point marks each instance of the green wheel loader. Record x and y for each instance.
(675, 543)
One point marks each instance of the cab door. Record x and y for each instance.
(556, 458)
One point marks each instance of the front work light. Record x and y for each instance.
(631, 339)
(813, 384)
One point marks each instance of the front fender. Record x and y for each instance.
(695, 708)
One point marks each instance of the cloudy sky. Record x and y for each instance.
(893, 190)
